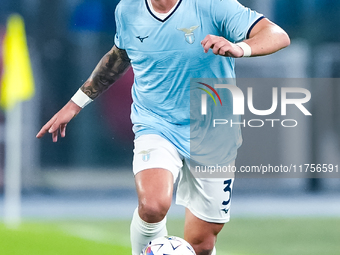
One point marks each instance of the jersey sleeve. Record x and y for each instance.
(118, 39)
(233, 19)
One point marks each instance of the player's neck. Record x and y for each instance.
(163, 6)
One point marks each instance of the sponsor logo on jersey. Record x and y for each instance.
(142, 38)
(189, 34)
(225, 210)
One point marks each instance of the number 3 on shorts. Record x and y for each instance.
(227, 189)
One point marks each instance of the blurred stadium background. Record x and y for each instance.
(87, 175)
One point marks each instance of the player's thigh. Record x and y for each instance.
(154, 188)
(156, 165)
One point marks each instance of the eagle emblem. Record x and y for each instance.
(189, 34)
(146, 154)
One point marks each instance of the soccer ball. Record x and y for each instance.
(168, 245)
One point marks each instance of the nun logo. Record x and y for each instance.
(189, 34)
(146, 154)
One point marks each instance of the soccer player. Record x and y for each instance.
(167, 42)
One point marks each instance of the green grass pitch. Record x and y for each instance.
(242, 236)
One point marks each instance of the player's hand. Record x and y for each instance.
(59, 121)
(221, 46)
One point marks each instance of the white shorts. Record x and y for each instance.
(207, 198)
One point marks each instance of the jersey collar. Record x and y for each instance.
(154, 14)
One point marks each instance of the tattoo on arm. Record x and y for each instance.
(110, 68)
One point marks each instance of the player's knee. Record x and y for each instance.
(204, 248)
(153, 211)
(203, 245)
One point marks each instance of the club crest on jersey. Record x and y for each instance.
(189, 34)
(146, 154)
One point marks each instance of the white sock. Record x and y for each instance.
(141, 232)
(214, 251)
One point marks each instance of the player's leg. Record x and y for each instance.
(154, 189)
(201, 234)
(156, 165)
(208, 202)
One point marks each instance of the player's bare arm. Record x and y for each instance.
(109, 69)
(265, 38)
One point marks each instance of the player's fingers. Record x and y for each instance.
(46, 128)
(225, 51)
(63, 130)
(55, 126)
(218, 46)
(42, 132)
(55, 136)
(209, 38)
(204, 41)
(208, 44)
(222, 52)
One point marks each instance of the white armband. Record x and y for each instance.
(246, 49)
(81, 99)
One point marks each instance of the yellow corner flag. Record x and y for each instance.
(17, 80)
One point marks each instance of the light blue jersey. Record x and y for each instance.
(166, 54)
